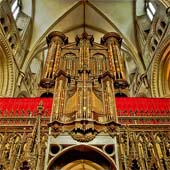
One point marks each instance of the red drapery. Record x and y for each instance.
(126, 107)
(143, 106)
(24, 106)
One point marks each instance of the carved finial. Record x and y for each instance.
(84, 35)
(40, 108)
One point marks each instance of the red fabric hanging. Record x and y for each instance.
(157, 106)
(24, 106)
(126, 107)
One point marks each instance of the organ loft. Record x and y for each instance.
(84, 85)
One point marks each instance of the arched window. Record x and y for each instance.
(150, 9)
(15, 8)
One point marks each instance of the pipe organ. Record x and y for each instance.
(84, 75)
(86, 129)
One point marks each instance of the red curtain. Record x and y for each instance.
(24, 106)
(143, 106)
(126, 107)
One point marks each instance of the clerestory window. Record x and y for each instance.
(15, 8)
(150, 9)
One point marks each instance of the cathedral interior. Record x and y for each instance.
(85, 85)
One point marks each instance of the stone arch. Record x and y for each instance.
(46, 94)
(6, 70)
(160, 77)
(121, 95)
(78, 164)
(74, 156)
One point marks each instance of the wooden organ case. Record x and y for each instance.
(83, 76)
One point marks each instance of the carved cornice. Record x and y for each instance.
(83, 130)
(109, 35)
(58, 34)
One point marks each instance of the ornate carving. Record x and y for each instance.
(8, 63)
(84, 130)
(47, 83)
(148, 148)
(157, 66)
(120, 84)
(83, 136)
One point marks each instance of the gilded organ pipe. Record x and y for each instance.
(57, 59)
(116, 61)
(50, 59)
(111, 59)
(58, 98)
(113, 42)
(121, 63)
(54, 40)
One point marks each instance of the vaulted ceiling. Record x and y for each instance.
(72, 16)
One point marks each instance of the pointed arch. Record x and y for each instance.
(6, 70)
(160, 77)
(84, 164)
(74, 155)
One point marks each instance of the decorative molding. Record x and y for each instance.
(156, 87)
(9, 67)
